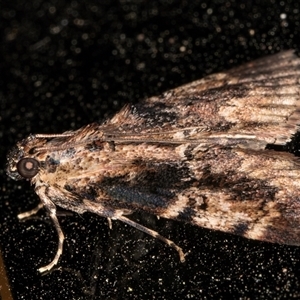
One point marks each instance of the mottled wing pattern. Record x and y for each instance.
(211, 166)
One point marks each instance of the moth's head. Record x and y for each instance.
(21, 163)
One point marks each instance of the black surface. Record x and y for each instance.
(69, 63)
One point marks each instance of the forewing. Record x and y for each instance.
(249, 106)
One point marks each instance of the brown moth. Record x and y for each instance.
(211, 153)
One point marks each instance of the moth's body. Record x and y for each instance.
(199, 153)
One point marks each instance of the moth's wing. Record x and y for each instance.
(239, 191)
(255, 104)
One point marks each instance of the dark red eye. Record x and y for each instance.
(28, 167)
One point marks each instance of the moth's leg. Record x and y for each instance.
(109, 223)
(51, 208)
(153, 234)
(31, 212)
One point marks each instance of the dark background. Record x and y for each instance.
(64, 64)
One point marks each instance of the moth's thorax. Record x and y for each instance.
(91, 163)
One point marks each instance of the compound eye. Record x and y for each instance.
(28, 167)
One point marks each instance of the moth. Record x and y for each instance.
(213, 153)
